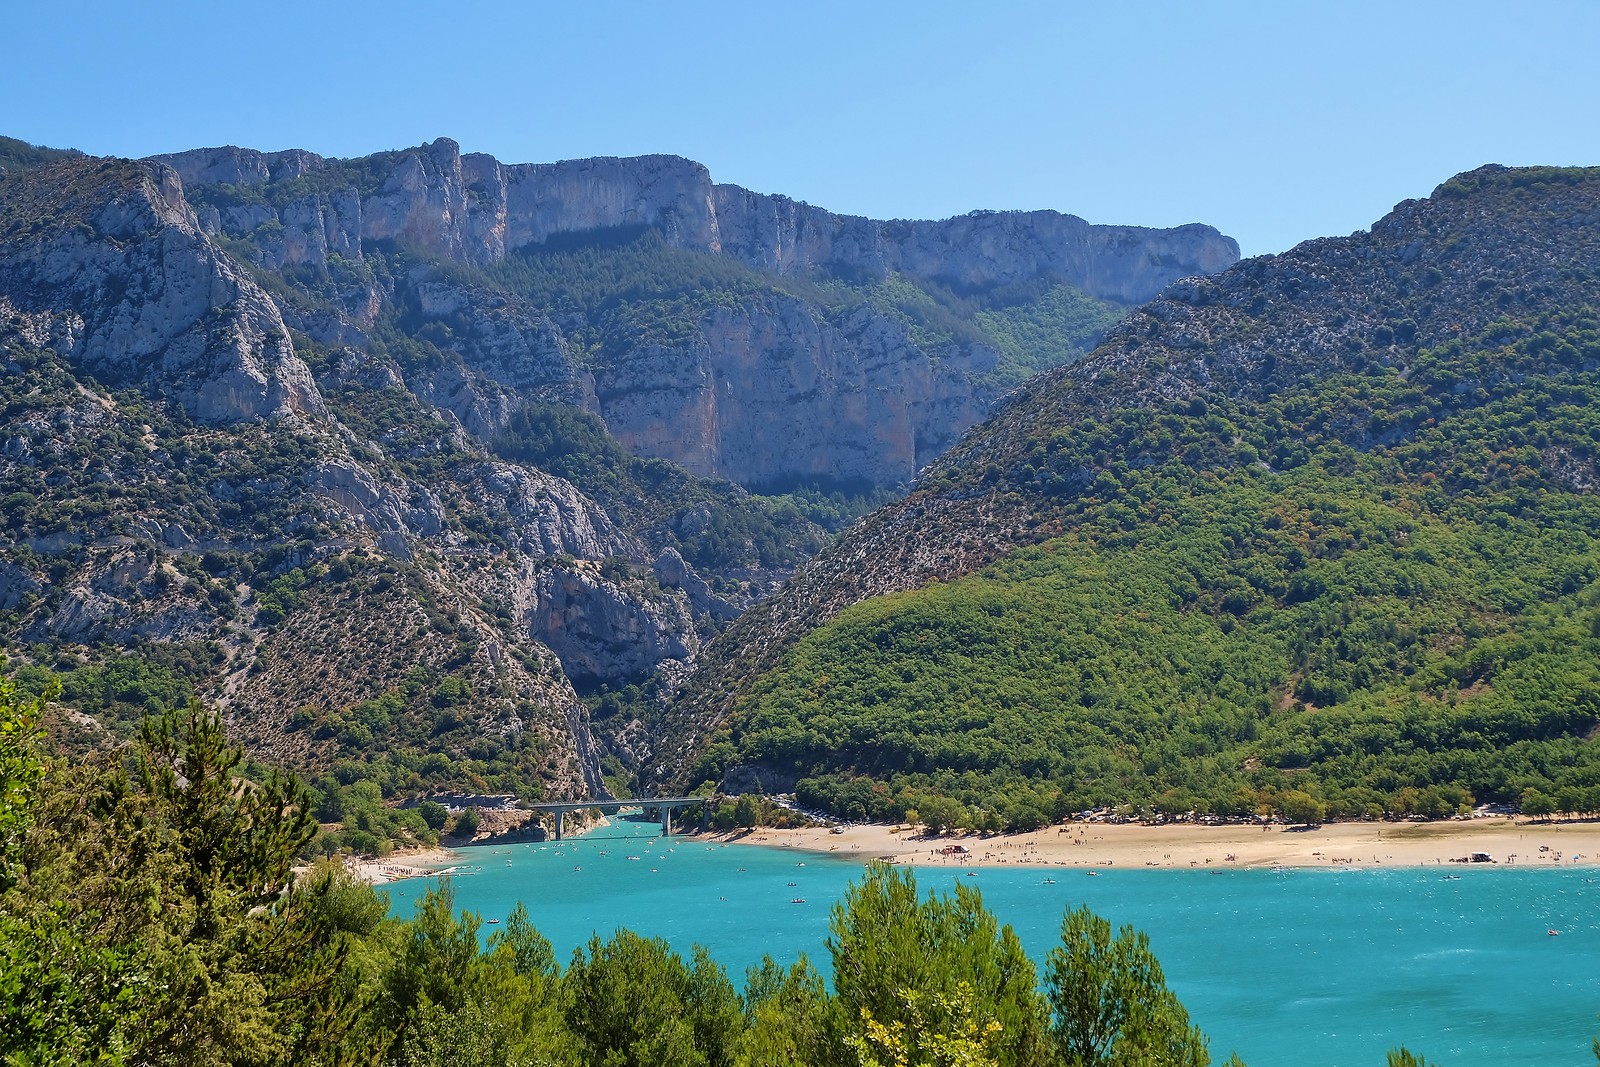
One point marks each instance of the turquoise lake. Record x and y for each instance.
(1304, 967)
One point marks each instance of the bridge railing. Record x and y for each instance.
(664, 804)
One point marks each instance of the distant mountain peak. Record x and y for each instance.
(1442, 366)
(398, 454)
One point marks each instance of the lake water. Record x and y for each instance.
(1304, 967)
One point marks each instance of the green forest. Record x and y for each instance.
(614, 291)
(151, 913)
(1244, 613)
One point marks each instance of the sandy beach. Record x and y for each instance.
(418, 863)
(1509, 842)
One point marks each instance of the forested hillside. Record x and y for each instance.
(148, 915)
(1315, 536)
(423, 468)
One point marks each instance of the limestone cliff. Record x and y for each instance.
(399, 453)
(475, 208)
(771, 391)
(765, 391)
(158, 412)
(1125, 264)
(103, 261)
(791, 385)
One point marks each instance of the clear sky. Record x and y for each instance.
(1274, 121)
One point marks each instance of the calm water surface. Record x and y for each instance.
(1306, 967)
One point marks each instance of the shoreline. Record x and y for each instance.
(399, 866)
(1509, 842)
(432, 862)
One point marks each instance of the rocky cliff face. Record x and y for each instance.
(104, 263)
(1493, 257)
(285, 420)
(1124, 264)
(475, 208)
(770, 391)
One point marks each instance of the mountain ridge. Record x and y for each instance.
(1490, 245)
(267, 447)
(767, 231)
(895, 376)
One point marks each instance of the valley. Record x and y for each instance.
(335, 488)
(517, 440)
(1295, 538)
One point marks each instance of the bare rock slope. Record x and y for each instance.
(762, 387)
(364, 453)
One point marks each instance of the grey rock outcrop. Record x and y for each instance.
(15, 585)
(604, 630)
(474, 208)
(110, 598)
(104, 261)
(552, 518)
(765, 391)
(1125, 264)
(671, 572)
(774, 392)
(241, 166)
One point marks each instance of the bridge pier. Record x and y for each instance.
(663, 805)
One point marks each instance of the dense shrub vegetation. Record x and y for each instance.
(18, 154)
(148, 916)
(615, 291)
(1374, 593)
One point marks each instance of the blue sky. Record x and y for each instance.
(1275, 122)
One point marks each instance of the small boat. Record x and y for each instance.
(792, 884)
(798, 900)
(1092, 874)
(1048, 881)
(492, 922)
(972, 874)
(1553, 933)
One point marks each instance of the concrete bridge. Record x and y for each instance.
(665, 805)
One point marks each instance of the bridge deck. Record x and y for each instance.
(663, 804)
(629, 802)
